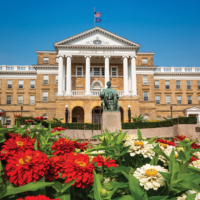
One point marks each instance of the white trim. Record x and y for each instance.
(145, 53)
(116, 71)
(79, 66)
(46, 52)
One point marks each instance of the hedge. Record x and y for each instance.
(141, 125)
(166, 123)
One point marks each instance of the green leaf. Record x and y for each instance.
(64, 197)
(125, 197)
(139, 134)
(68, 185)
(33, 186)
(96, 186)
(158, 197)
(101, 148)
(57, 186)
(56, 133)
(152, 139)
(107, 135)
(181, 156)
(191, 196)
(124, 151)
(35, 145)
(184, 167)
(121, 137)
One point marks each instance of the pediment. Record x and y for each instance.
(96, 37)
(193, 108)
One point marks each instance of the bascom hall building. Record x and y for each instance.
(77, 71)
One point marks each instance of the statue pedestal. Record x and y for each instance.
(111, 121)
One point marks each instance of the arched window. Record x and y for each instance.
(96, 85)
(45, 116)
(158, 118)
(8, 121)
(146, 118)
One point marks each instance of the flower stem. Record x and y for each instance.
(102, 170)
(120, 162)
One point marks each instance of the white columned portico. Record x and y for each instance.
(106, 69)
(87, 76)
(133, 76)
(125, 73)
(60, 76)
(69, 69)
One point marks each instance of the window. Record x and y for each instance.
(90, 71)
(157, 85)
(56, 79)
(198, 85)
(189, 99)
(145, 80)
(167, 85)
(31, 68)
(168, 117)
(45, 116)
(146, 118)
(46, 60)
(8, 100)
(102, 71)
(114, 71)
(9, 83)
(79, 71)
(0, 68)
(20, 99)
(74, 119)
(168, 99)
(199, 99)
(158, 118)
(57, 60)
(56, 93)
(45, 96)
(179, 100)
(32, 84)
(157, 99)
(145, 96)
(96, 71)
(21, 83)
(10, 68)
(21, 68)
(177, 69)
(178, 84)
(8, 121)
(32, 100)
(45, 79)
(144, 60)
(188, 85)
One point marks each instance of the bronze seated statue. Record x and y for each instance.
(109, 99)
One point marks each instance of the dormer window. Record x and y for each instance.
(144, 60)
(46, 60)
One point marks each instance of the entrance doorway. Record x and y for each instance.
(96, 114)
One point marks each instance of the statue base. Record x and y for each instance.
(111, 121)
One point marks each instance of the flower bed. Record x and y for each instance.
(39, 164)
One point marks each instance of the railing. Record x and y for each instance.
(78, 93)
(16, 68)
(178, 69)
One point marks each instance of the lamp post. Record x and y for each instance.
(21, 110)
(129, 113)
(66, 113)
(171, 110)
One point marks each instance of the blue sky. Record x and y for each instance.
(170, 28)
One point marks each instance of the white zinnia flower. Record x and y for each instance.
(195, 164)
(140, 147)
(184, 195)
(196, 154)
(149, 177)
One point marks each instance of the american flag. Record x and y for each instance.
(97, 14)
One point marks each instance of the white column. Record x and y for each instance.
(64, 69)
(60, 76)
(125, 71)
(87, 76)
(68, 82)
(106, 69)
(133, 76)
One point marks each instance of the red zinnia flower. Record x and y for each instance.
(103, 160)
(79, 168)
(12, 135)
(57, 129)
(15, 145)
(17, 116)
(29, 120)
(2, 113)
(39, 197)
(181, 137)
(26, 167)
(82, 146)
(41, 118)
(193, 159)
(195, 145)
(170, 143)
(63, 146)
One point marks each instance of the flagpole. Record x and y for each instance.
(94, 16)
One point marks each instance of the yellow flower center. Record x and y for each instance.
(139, 143)
(21, 161)
(20, 143)
(81, 164)
(176, 155)
(3, 151)
(164, 145)
(28, 158)
(151, 172)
